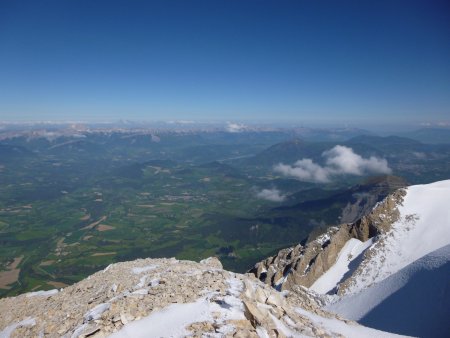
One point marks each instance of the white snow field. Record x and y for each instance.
(403, 283)
(414, 301)
(347, 330)
(423, 227)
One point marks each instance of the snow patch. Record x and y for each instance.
(168, 322)
(42, 293)
(262, 332)
(154, 282)
(141, 283)
(323, 238)
(7, 331)
(331, 278)
(235, 286)
(78, 331)
(96, 312)
(144, 269)
(279, 283)
(283, 328)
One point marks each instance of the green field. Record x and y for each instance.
(69, 207)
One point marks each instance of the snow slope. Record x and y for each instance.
(352, 250)
(423, 227)
(413, 301)
(347, 330)
(402, 284)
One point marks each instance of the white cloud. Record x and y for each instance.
(235, 127)
(273, 195)
(304, 170)
(340, 160)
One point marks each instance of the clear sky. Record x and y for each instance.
(163, 59)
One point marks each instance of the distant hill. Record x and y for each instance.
(431, 135)
(329, 135)
(344, 206)
(383, 141)
(293, 150)
(388, 144)
(221, 169)
(287, 152)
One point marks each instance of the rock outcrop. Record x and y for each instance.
(368, 194)
(303, 265)
(167, 297)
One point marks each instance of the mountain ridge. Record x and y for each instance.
(376, 265)
(167, 297)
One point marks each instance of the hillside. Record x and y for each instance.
(343, 206)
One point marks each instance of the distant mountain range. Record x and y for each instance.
(415, 161)
(430, 135)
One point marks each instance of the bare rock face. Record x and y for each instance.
(303, 265)
(368, 195)
(167, 297)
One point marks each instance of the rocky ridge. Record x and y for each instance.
(167, 297)
(368, 194)
(303, 265)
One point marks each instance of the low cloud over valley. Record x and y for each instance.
(340, 160)
(273, 195)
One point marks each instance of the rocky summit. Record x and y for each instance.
(171, 298)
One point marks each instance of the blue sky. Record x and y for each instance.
(368, 61)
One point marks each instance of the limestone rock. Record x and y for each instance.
(303, 265)
(213, 262)
(219, 303)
